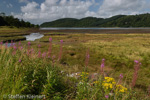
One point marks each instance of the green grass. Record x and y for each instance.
(119, 50)
(12, 33)
(16, 38)
(6, 29)
(25, 74)
(30, 76)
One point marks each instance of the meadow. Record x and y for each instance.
(80, 66)
(12, 33)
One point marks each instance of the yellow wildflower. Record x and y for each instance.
(113, 83)
(109, 79)
(121, 89)
(96, 82)
(107, 85)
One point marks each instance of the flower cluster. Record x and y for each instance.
(120, 89)
(108, 83)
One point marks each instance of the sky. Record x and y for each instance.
(39, 11)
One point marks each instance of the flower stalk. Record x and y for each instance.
(50, 47)
(87, 59)
(135, 75)
(60, 52)
(102, 66)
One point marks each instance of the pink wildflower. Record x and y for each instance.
(19, 60)
(11, 45)
(14, 51)
(121, 75)
(1, 42)
(15, 48)
(39, 46)
(106, 96)
(120, 79)
(61, 41)
(136, 61)
(50, 39)
(19, 43)
(29, 43)
(44, 55)
(102, 66)
(21, 47)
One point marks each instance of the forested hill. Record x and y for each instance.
(142, 20)
(11, 21)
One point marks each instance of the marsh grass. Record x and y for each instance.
(34, 75)
(119, 50)
(15, 34)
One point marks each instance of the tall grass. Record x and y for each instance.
(24, 73)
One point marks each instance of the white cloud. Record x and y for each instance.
(54, 9)
(115, 7)
(30, 8)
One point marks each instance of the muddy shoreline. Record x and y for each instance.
(91, 31)
(14, 40)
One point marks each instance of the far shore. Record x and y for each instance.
(93, 31)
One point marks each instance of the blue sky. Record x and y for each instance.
(39, 11)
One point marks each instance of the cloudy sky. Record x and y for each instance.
(39, 11)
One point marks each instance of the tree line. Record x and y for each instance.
(11, 21)
(141, 20)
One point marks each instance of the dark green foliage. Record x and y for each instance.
(2, 21)
(87, 22)
(34, 80)
(11, 21)
(55, 86)
(66, 22)
(142, 20)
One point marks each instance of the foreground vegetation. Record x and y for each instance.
(119, 50)
(25, 71)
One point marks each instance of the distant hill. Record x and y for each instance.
(66, 22)
(142, 20)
